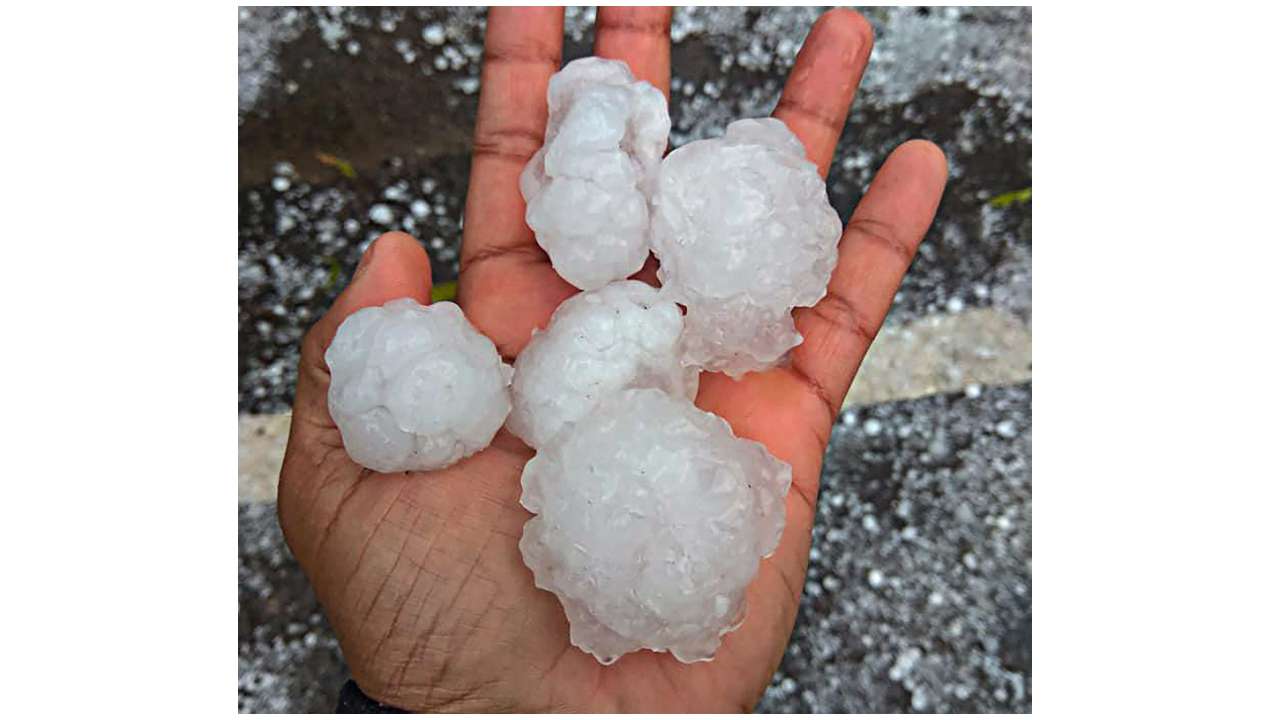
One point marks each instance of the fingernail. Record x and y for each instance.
(365, 261)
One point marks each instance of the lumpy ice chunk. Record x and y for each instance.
(744, 233)
(587, 188)
(651, 522)
(414, 387)
(597, 344)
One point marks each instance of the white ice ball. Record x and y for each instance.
(587, 188)
(414, 387)
(651, 522)
(597, 344)
(744, 233)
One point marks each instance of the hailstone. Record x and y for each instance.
(587, 188)
(651, 522)
(597, 344)
(744, 233)
(414, 387)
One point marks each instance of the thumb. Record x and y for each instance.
(394, 266)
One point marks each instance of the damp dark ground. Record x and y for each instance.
(356, 121)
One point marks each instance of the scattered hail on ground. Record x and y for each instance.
(355, 121)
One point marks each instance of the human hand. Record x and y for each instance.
(420, 573)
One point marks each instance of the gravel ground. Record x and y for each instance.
(355, 121)
(289, 658)
(918, 596)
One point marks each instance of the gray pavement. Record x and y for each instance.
(353, 121)
(918, 596)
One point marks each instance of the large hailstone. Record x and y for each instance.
(651, 522)
(744, 233)
(598, 343)
(587, 188)
(413, 387)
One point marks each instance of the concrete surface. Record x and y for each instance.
(943, 353)
(920, 585)
(262, 441)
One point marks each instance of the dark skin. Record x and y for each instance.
(420, 573)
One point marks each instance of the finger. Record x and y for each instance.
(394, 266)
(640, 37)
(815, 101)
(875, 251)
(648, 273)
(507, 299)
(521, 51)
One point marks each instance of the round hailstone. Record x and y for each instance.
(744, 232)
(587, 188)
(652, 519)
(597, 344)
(413, 387)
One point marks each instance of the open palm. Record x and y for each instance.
(420, 572)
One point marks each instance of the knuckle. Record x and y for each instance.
(316, 340)
(515, 144)
(649, 24)
(841, 312)
(878, 232)
(528, 51)
(816, 390)
(790, 106)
